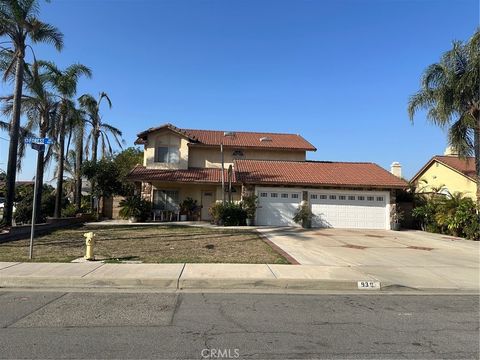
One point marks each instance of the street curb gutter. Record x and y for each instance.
(211, 284)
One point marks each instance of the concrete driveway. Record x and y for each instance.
(409, 258)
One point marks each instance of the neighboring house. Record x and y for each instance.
(447, 174)
(181, 163)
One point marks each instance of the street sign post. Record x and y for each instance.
(37, 144)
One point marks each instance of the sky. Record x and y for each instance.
(339, 73)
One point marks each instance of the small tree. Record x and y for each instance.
(105, 176)
(125, 162)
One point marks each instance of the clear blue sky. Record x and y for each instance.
(338, 72)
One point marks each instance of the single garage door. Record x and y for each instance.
(350, 209)
(277, 207)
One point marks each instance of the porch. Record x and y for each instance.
(174, 201)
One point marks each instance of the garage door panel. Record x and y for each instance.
(277, 207)
(277, 214)
(366, 210)
(331, 208)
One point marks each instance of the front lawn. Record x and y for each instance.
(149, 244)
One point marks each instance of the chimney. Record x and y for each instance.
(450, 151)
(396, 169)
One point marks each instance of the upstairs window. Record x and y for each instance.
(167, 154)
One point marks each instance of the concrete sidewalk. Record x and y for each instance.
(222, 276)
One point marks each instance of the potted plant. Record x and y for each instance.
(134, 208)
(250, 206)
(188, 208)
(304, 215)
(396, 219)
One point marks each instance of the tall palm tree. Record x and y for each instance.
(39, 105)
(18, 23)
(450, 92)
(99, 129)
(65, 83)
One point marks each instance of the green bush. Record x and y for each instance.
(250, 204)
(228, 214)
(135, 207)
(451, 215)
(24, 203)
(303, 216)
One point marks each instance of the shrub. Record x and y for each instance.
(135, 207)
(23, 206)
(303, 215)
(249, 204)
(452, 215)
(228, 214)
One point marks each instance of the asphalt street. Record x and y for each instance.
(43, 324)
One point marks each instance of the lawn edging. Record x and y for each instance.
(278, 249)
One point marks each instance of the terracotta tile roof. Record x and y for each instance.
(324, 173)
(465, 166)
(240, 139)
(191, 175)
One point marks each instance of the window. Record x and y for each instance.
(314, 197)
(274, 195)
(165, 200)
(342, 197)
(360, 198)
(263, 194)
(284, 196)
(323, 197)
(370, 198)
(294, 196)
(333, 197)
(167, 154)
(238, 154)
(380, 198)
(351, 197)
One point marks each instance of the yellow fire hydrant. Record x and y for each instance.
(89, 241)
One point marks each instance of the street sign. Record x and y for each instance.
(36, 140)
(38, 147)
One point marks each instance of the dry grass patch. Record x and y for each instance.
(150, 244)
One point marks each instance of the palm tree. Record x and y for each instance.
(19, 22)
(450, 93)
(40, 106)
(99, 129)
(65, 83)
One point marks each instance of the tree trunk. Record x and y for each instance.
(61, 158)
(94, 161)
(40, 170)
(13, 146)
(477, 157)
(78, 170)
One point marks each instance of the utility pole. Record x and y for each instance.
(223, 174)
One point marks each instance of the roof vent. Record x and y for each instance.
(265, 138)
(229, 133)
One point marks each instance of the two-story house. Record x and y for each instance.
(180, 163)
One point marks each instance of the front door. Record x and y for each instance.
(207, 201)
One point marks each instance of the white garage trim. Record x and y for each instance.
(339, 208)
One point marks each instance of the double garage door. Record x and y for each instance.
(331, 208)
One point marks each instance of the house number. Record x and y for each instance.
(369, 285)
